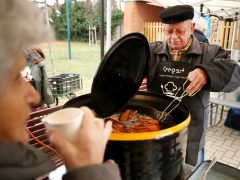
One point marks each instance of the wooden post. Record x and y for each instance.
(95, 32)
(226, 31)
(230, 35)
(238, 35)
(222, 33)
(89, 34)
(234, 36)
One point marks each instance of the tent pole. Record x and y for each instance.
(201, 9)
(49, 43)
(108, 40)
(68, 30)
(102, 27)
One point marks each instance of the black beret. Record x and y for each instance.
(176, 14)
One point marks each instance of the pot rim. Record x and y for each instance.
(150, 135)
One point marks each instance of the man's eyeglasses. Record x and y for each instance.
(179, 32)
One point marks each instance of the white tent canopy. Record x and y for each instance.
(223, 9)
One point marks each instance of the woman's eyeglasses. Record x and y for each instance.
(179, 32)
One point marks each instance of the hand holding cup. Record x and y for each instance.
(88, 145)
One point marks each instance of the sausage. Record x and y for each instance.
(130, 121)
(117, 126)
(127, 115)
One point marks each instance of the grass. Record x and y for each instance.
(85, 60)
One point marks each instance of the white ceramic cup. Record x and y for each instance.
(66, 120)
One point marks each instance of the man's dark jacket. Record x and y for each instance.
(223, 75)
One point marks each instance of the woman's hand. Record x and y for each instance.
(88, 146)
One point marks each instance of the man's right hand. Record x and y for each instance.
(88, 147)
(198, 79)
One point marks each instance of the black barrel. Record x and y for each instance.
(150, 155)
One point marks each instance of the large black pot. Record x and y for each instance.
(150, 155)
(141, 156)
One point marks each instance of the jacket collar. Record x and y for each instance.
(195, 48)
(25, 161)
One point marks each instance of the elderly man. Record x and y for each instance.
(21, 27)
(199, 66)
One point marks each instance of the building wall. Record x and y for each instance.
(138, 12)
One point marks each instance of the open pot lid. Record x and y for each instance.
(120, 74)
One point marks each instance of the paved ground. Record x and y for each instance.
(224, 143)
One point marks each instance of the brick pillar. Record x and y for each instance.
(138, 12)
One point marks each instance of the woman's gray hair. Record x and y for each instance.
(22, 26)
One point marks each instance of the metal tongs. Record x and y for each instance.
(165, 114)
(161, 115)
